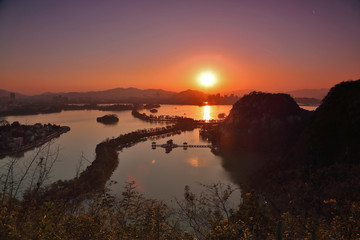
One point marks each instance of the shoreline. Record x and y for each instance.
(42, 141)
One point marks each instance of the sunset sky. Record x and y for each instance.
(280, 45)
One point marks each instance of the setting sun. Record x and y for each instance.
(207, 79)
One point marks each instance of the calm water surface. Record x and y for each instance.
(156, 173)
(309, 108)
(196, 112)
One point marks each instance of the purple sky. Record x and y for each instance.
(280, 45)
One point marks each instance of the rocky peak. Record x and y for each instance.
(333, 134)
(263, 122)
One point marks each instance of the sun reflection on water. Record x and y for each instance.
(193, 161)
(200, 162)
(207, 116)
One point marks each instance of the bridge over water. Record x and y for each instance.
(169, 145)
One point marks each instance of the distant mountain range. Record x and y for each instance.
(309, 93)
(134, 95)
(118, 95)
(5, 96)
(300, 93)
(122, 93)
(106, 96)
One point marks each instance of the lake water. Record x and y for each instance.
(157, 174)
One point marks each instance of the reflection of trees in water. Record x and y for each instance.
(162, 136)
(242, 165)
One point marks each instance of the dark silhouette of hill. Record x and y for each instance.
(307, 163)
(258, 130)
(188, 97)
(263, 122)
(333, 135)
(274, 123)
(324, 163)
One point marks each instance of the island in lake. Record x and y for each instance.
(108, 119)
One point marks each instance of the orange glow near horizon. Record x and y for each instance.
(125, 44)
(178, 74)
(207, 79)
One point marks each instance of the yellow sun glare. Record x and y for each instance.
(207, 79)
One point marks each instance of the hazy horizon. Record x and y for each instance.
(87, 46)
(101, 90)
(62, 46)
